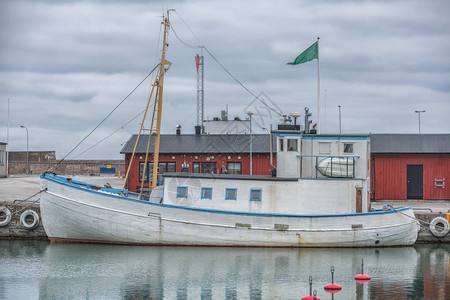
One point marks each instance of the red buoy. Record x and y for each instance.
(311, 297)
(332, 287)
(362, 278)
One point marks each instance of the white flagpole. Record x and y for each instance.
(318, 88)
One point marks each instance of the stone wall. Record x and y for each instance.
(42, 161)
(14, 230)
(425, 236)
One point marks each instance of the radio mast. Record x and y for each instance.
(200, 91)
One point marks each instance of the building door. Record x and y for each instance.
(414, 186)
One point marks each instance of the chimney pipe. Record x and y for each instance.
(198, 130)
(178, 127)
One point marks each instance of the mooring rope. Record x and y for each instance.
(391, 206)
(26, 207)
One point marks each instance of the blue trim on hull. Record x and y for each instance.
(62, 180)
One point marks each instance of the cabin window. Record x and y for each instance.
(230, 194)
(292, 145)
(324, 148)
(182, 192)
(234, 168)
(281, 143)
(206, 193)
(196, 167)
(2, 153)
(348, 148)
(255, 195)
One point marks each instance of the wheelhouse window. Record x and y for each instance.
(324, 148)
(206, 193)
(230, 194)
(234, 168)
(348, 148)
(255, 195)
(182, 192)
(292, 145)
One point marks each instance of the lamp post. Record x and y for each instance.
(27, 149)
(419, 112)
(251, 167)
(340, 128)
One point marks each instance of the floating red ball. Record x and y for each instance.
(332, 288)
(311, 297)
(362, 277)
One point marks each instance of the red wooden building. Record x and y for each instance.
(210, 153)
(410, 166)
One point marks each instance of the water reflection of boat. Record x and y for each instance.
(194, 273)
(297, 208)
(79, 271)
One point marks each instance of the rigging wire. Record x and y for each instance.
(117, 106)
(241, 84)
(221, 65)
(108, 136)
(183, 42)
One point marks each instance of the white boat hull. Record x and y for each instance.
(78, 214)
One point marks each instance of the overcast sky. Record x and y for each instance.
(65, 65)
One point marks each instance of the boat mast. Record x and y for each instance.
(155, 127)
(158, 101)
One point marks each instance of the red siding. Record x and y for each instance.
(389, 175)
(261, 163)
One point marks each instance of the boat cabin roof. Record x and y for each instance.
(227, 176)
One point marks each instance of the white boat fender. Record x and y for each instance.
(32, 225)
(7, 212)
(444, 227)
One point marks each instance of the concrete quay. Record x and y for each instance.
(14, 190)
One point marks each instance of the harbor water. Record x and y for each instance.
(39, 270)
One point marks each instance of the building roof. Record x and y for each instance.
(410, 143)
(190, 143)
(240, 143)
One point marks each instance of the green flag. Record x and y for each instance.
(309, 54)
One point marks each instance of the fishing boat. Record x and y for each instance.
(302, 205)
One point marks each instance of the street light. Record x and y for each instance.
(27, 149)
(340, 128)
(251, 167)
(419, 112)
